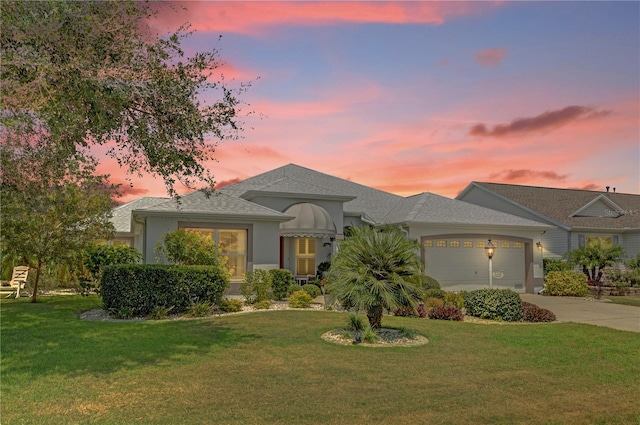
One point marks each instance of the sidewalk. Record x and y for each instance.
(588, 310)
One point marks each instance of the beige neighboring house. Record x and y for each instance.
(294, 218)
(578, 216)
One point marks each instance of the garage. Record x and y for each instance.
(460, 264)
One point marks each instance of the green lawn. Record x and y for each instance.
(273, 368)
(628, 300)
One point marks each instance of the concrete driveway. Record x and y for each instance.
(588, 310)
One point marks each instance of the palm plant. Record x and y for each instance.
(594, 257)
(375, 270)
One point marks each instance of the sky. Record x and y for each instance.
(412, 97)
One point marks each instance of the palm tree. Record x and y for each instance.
(594, 257)
(375, 270)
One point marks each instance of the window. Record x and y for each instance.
(441, 243)
(468, 244)
(233, 245)
(454, 244)
(480, 244)
(305, 256)
(606, 241)
(505, 245)
(428, 243)
(517, 244)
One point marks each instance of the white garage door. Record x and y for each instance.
(462, 265)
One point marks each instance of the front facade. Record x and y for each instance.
(578, 216)
(294, 218)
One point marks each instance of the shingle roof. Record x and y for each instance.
(121, 215)
(560, 205)
(372, 202)
(431, 208)
(217, 204)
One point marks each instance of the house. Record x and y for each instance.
(294, 218)
(578, 216)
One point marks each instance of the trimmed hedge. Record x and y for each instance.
(566, 283)
(533, 313)
(138, 289)
(446, 312)
(494, 304)
(312, 290)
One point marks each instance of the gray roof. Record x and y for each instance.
(216, 204)
(121, 217)
(436, 209)
(369, 201)
(561, 205)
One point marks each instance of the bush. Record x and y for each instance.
(230, 305)
(141, 288)
(533, 313)
(355, 323)
(300, 299)
(420, 311)
(454, 299)
(555, 265)
(370, 336)
(312, 290)
(255, 286)
(201, 309)
(262, 305)
(434, 302)
(566, 283)
(494, 304)
(160, 313)
(281, 279)
(434, 293)
(97, 257)
(430, 283)
(447, 312)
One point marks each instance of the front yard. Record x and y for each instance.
(274, 368)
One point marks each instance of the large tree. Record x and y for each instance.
(94, 73)
(50, 212)
(376, 270)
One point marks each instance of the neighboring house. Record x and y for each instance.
(294, 217)
(579, 216)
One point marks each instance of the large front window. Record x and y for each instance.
(305, 256)
(233, 245)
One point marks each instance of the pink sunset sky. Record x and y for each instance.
(413, 97)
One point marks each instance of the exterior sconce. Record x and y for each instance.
(539, 246)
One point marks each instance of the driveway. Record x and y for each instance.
(588, 310)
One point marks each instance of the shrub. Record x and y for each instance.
(420, 311)
(201, 309)
(566, 283)
(143, 287)
(355, 323)
(369, 335)
(262, 305)
(293, 288)
(160, 313)
(556, 265)
(447, 312)
(255, 285)
(533, 313)
(281, 279)
(434, 302)
(434, 293)
(230, 305)
(454, 299)
(300, 299)
(312, 290)
(97, 257)
(430, 283)
(494, 304)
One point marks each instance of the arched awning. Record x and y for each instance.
(311, 221)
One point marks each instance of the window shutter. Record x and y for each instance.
(581, 241)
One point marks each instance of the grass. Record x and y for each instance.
(628, 300)
(273, 368)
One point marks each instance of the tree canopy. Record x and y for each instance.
(79, 74)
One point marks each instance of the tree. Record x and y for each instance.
(594, 257)
(50, 212)
(94, 73)
(375, 270)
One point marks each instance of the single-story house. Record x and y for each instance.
(294, 218)
(577, 216)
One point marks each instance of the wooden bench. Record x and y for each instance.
(17, 282)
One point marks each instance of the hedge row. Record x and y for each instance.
(137, 289)
(494, 304)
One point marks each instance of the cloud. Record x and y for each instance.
(545, 121)
(491, 57)
(511, 175)
(228, 182)
(254, 17)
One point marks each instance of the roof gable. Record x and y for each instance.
(600, 206)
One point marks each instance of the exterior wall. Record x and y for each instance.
(632, 244)
(555, 243)
(532, 273)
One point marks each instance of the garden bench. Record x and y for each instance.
(17, 282)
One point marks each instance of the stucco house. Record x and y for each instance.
(577, 216)
(294, 217)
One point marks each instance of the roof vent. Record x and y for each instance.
(607, 189)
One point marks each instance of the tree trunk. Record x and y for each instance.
(35, 285)
(374, 314)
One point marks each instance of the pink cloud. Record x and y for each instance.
(546, 121)
(254, 17)
(491, 57)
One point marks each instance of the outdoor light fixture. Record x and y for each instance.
(489, 249)
(539, 246)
